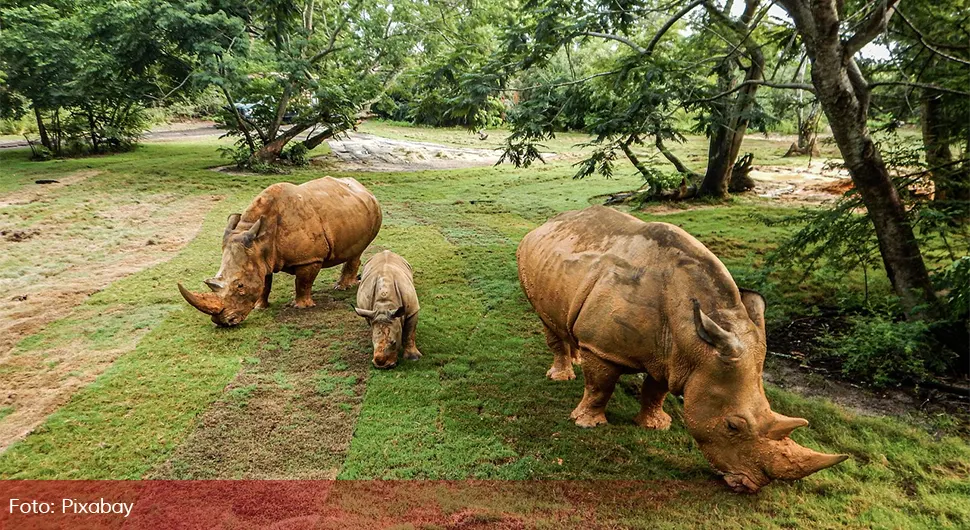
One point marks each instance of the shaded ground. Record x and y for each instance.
(59, 245)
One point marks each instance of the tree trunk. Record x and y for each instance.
(314, 141)
(844, 96)
(726, 141)
(807, 143)
(271, 151)
(45, 139)
(94, 132)
(949, 178)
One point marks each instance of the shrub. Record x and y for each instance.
(884, 352)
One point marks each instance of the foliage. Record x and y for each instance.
(88, 76)
(884, 352)
(319, 67)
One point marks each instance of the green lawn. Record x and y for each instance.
(476, 406)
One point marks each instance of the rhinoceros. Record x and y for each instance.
(626, 296)
(387, 299)
(294, 229)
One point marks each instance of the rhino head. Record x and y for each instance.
(386, 328)
(727, 412)
(240, 281)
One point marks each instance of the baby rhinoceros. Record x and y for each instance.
(387, 299)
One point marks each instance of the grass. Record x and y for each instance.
(475, 406)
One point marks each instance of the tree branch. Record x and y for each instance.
(667, 25)
(739, 86)
(678, 165)
(331, 45)
(927, 45)
(925, 86)
(619, 38)
(874, 26)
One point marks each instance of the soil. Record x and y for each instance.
(366, 152)
(812, 184)
(55, 265)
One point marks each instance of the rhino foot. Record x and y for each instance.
(261, 305)
(343, 286)
(566, 374)
(412, 355)
(588, 418)
(304, 304)
(658, 420)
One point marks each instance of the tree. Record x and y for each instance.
(314, 67)
(87, 75)
(636, 91)
(844, 95)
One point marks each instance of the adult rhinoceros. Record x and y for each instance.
(627, 296)
(293, 229)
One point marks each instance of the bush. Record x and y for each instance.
(884, 352)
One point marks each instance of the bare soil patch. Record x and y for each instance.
(812, 184)
(62, 246)
(366, 152)
(290, 412)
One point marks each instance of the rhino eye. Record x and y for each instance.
(734, 425)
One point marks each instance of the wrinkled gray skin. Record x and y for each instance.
(387, 300)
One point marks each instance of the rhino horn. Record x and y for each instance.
(783, 426)
(366, 313)
(710, 332)
(208, 303)
(215, 284)
(791, 461)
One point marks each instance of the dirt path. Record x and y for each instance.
(59, 244)
(366, 152)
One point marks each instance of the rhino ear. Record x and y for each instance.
(724, 341)
(754, 303)
(230, 226)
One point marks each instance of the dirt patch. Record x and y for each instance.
(290, 412)
(38, 192)
(366, 152)
(815, 183)
(68, 245)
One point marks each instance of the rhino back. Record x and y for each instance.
(326, 220)
(608, 281)
(387, 283)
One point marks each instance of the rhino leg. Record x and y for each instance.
(562, 366)
(348, 275)
(304, 284)
(411, 351)
(263, 301)
(600, 378)
(652, 415)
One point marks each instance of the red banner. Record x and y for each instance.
(299, 504)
